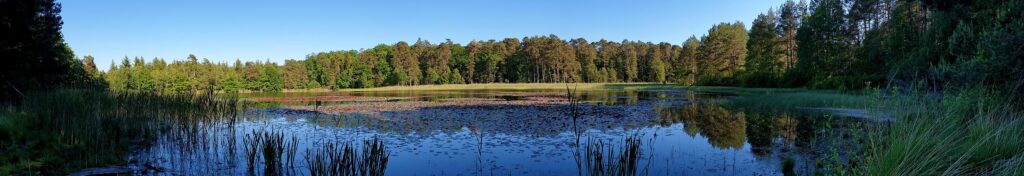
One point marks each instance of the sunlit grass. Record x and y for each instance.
(789, 98)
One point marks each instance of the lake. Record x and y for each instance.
(509, 132)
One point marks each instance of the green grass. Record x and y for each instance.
(968, 132)
(788, 98)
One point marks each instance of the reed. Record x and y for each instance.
(56, 132)
(344, 159)
(251, 144)
(276, 151)
(975, 131)
(608, 159)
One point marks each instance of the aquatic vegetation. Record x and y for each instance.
(788, 165)
(251, 144)
(344, 159)
(448, 139)
(608, 159)
(60, 131)
(277, 152)
(594, 159)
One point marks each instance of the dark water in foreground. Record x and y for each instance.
(681, 134)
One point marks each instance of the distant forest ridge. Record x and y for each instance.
(833, 44)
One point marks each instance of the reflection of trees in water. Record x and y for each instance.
(765, 128)
(785, 127)
(723, 128)
(534, 120)
(730, 129)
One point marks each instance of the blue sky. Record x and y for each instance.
(226, 30)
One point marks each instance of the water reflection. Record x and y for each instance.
(723, 128)
(684, 134)
(766, 133)
(601, 97)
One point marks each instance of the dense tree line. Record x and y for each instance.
(511, 60)
(834, 44)
(189, 75)
(843, 44)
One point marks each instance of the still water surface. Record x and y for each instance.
(682, 133)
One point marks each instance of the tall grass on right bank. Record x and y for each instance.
(976, 131)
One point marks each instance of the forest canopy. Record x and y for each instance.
(825, 44)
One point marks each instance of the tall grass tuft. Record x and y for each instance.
(968, 132)
(251, 144)
(277, 152)
(344, 159)
(607, 159)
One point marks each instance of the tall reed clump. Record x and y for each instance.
(277, 152)
(608, 159)
(344, 159)
(976, 131)
(595, 157)
(55, 132)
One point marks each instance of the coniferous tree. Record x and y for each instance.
(765, 59)
(687, 66)
(790, 14)
(825, 46)
(723, 53)
(33, 49)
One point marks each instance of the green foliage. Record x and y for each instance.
(765, 61)
(270, 78)
(435, 77)
(824, 52)
(723, 53)
(686, 66)
(397, 77)
(456, 78)
(659, 71)
(294, 74)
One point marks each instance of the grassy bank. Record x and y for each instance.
(975, 131)
(57, 132)
(790, 98)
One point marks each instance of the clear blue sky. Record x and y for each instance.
(225, 30)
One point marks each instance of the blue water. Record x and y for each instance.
(679, 136)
